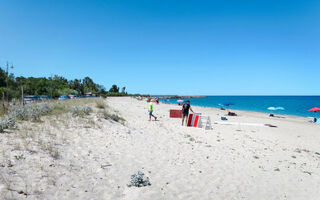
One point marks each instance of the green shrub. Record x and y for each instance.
(76, 112)
(115, 117)
(59, 108)
(32, 111)
(106, 115)
(6, 123)
(81, 112)
(87, 110)
(100, 104)
(45, 108)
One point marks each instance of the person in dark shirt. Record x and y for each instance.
(185, 111)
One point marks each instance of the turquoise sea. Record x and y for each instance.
(288, 105)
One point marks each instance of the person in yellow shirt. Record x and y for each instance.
(150, 110)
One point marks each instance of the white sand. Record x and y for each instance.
(243, 160)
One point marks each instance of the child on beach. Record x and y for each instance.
(185, 111)
(150, 110)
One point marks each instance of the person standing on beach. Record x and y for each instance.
(185, 111)
(150, 110)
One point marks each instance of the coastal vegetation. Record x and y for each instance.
(33, 112)
(54, 86)
(46, 130)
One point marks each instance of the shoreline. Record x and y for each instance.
(250, 111)
(182, 97)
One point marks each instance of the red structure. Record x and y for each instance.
(175, 113)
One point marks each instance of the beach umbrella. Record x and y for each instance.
(315, 109)
(275, 108)
(180, 101)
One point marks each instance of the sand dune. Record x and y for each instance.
(98, 156)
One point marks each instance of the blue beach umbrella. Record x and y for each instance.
(228, 104)
(274, 109)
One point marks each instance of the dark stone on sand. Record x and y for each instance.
(138, 180)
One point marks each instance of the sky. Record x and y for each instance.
(183, 47)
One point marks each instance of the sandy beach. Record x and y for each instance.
(93, 158)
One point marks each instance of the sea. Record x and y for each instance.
(284, 105)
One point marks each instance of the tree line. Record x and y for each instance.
(53, 86)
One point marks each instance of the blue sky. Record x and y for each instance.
(225, 47)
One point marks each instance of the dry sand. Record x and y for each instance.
(93, 158)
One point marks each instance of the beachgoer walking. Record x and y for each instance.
(185, 111)
(150, 110)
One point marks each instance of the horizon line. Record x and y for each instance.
(239, 95)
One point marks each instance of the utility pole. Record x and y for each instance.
(7, 82)
(51, 87)
(22, 95)
(3, 106)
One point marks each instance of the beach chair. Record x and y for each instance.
(204, 122)
(318, 121)
(193, 119)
